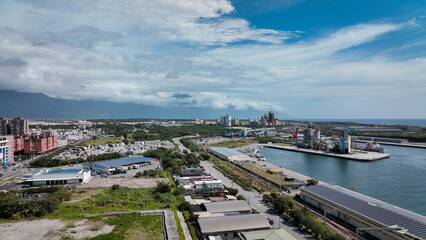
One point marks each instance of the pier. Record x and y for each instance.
(365, 157)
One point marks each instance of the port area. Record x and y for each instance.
(358, 156)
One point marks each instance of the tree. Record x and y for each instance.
(205, 156)
(232, 191)
(241, 197)
(163, 187)
(179, 191)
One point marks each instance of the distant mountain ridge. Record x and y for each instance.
(40, 106)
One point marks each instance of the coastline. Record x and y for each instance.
(386, 205)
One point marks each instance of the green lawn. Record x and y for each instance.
(261, 172)
(102, 141)
(121, 199)
(133, 226)
(236, 143)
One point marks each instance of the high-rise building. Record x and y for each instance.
(17, 126)
(6, 150)
(225, 120)
(4, 126)
(235, 121)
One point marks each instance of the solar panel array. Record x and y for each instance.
(375, 213)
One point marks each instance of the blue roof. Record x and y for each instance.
(59, 171)
(123, 161)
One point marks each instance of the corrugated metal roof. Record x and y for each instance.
(123, 161)
(227, 206)
(273, 234)
(227, 151)
(414, 223)
(233, 223)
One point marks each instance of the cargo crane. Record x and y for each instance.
(295, 134)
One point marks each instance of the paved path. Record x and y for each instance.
(180, 145)
(255, 201)
(184, 226)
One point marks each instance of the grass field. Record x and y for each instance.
(133, 226)
(236, 143)
(271, 177)
(121, 199)
(102, 141)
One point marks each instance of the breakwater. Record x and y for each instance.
(368, 156)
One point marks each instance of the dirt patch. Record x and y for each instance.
(127, 182)
(53, 229)
(34, 230)
(88, 229)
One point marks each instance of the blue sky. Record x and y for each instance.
(303, 58)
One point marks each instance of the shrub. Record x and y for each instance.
(241, 197)
(163, 187)
(179, 191)
(115, 187)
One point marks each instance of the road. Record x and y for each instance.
(255, 201)
(180, 145)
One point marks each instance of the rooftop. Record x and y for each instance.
(123, 161)
(227, 206)
(64, 171)
(371, 208)
(226, 151)
(272, 234)
(233, 223)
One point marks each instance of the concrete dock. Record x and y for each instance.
(367, 157)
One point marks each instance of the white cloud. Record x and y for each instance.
(146, 51)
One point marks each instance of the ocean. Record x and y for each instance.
(399, 180)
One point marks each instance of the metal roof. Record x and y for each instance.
(414, 223)
(64, 171)
(227, 151)
(233, 223)
(227, 206)
(272, 234)
(123, 161)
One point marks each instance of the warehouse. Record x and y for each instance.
(108, 166)
(272, 234)
(362, 211)
(58, 177)
(227, 208)
(229, 154)
(230, 226)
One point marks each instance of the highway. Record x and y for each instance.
(255, 201)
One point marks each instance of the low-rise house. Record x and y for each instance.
(191, 171)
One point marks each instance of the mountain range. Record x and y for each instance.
(41, 106)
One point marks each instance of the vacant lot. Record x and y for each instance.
(100, 183)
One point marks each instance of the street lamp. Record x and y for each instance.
(391, 228)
